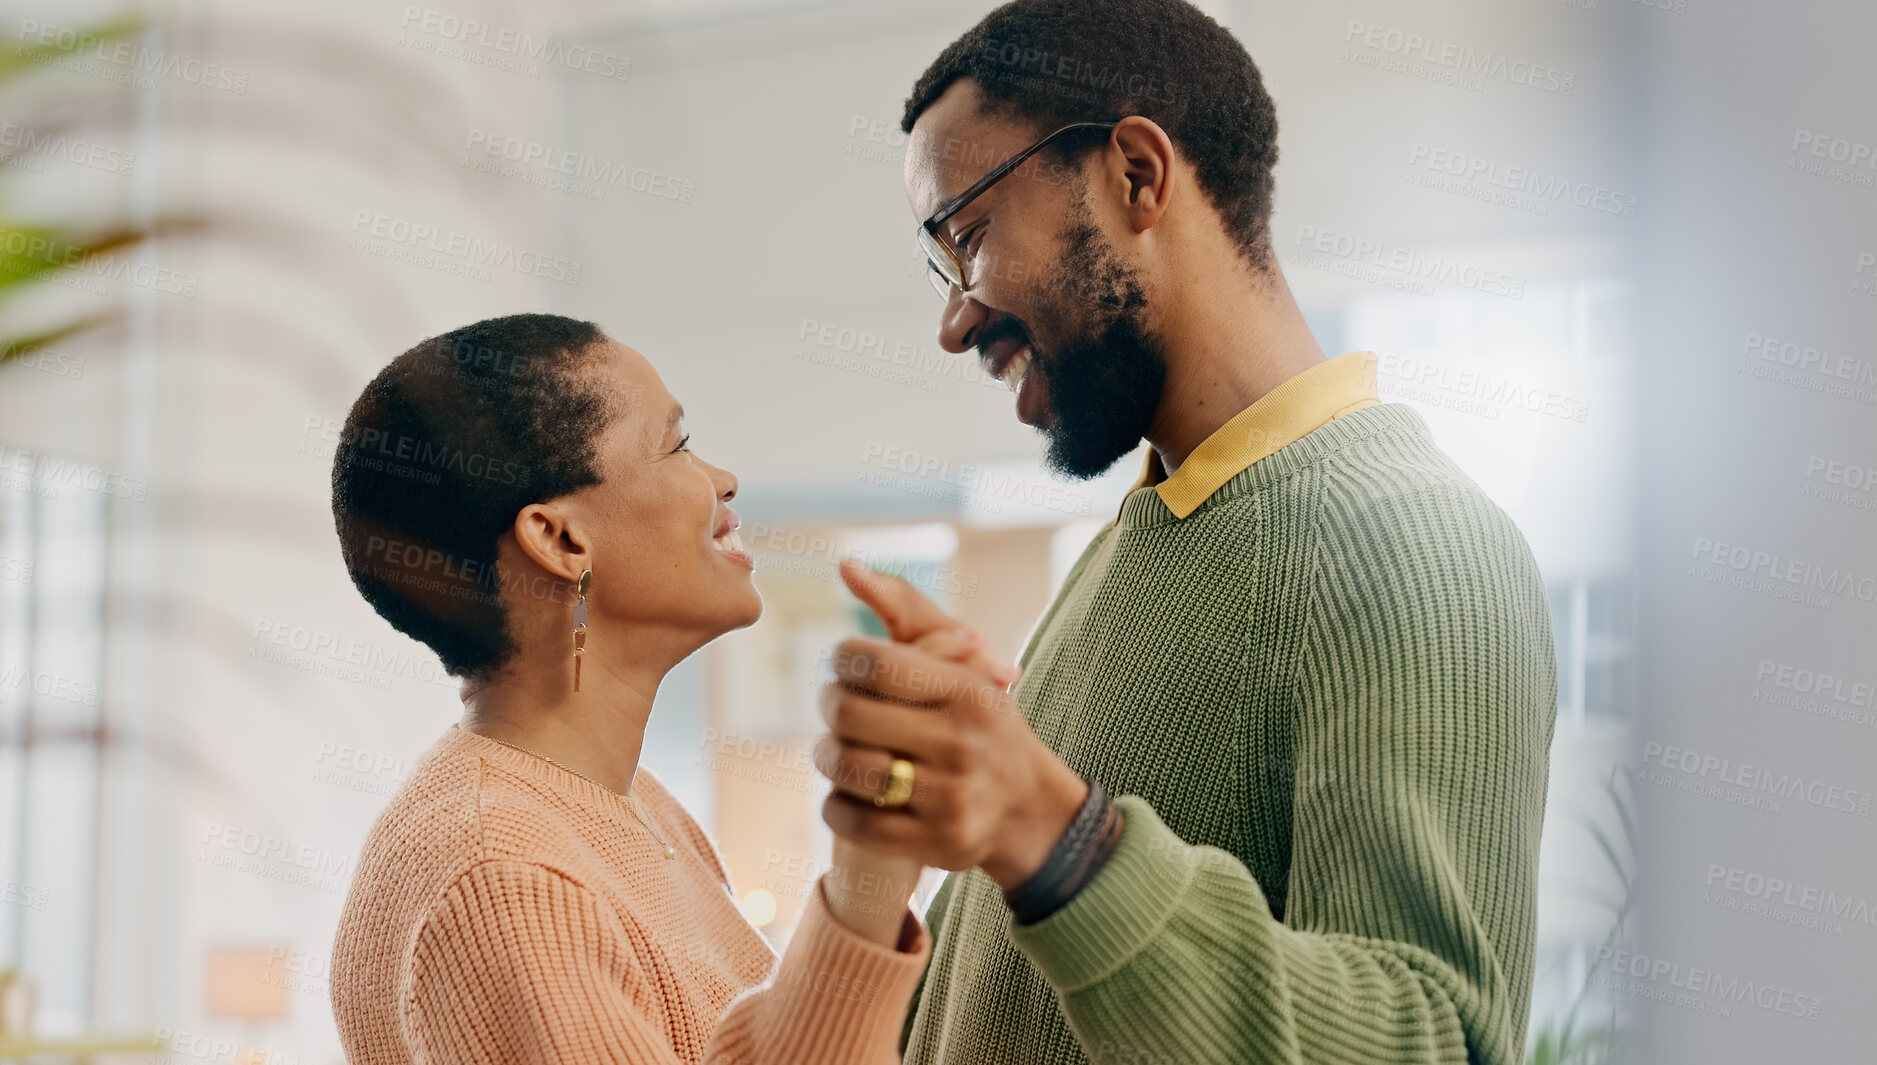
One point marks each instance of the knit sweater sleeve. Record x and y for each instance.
(1425, 697)
(934, 922)
(518, 963)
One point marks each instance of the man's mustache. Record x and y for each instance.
(1006, 327)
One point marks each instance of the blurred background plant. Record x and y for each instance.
(1589, 1030)
(42, 246)
(63, 233)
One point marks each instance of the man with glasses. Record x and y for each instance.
(1269, 788)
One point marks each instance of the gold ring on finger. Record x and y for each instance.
(898, 790)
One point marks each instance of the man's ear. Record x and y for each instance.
(1146, 173)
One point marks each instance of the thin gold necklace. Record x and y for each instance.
(632, 801)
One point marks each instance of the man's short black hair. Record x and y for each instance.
(1053, 62)
(441, 451)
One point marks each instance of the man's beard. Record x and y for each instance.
(1103, 383)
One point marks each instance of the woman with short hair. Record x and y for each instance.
(520, 495)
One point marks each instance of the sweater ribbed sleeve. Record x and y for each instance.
(519, 963)
(1409, 918)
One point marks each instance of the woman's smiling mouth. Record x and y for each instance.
(727, 541)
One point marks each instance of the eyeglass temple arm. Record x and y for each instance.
(958, 202)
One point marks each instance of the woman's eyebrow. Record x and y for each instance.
(657, 441)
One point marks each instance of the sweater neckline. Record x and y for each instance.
(534, 767)
(1143, 506)
(1287, 413)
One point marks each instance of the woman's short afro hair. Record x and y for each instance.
(438, 455)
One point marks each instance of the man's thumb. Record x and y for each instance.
(906, 613)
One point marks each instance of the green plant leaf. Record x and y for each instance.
(23, 59)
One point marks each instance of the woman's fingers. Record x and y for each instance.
(954, 645)
(905, 611)
(968, 647)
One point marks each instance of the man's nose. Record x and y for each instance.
(960, 322)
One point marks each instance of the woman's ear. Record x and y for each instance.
(547, 534)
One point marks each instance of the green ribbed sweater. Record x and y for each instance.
(1325, 699)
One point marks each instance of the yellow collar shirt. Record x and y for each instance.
(1295, 409)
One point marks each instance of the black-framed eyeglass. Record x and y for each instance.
(944, 268)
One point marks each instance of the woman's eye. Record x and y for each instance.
(970, 241)
(682, 444)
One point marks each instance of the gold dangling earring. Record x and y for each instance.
(580, 624)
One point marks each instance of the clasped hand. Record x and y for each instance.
(987, 793)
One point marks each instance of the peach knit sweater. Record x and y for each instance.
(505, 910)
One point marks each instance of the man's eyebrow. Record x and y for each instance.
(957, 221)
(969, 213)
